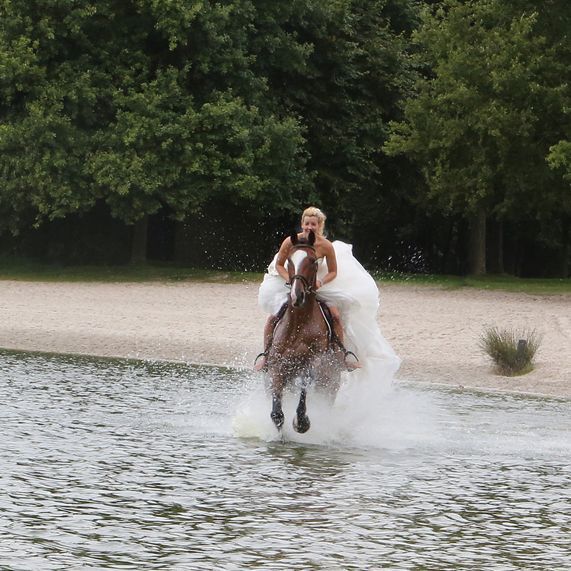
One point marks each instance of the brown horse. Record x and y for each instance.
(301, 347)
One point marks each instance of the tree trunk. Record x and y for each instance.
(444, 264)
(564, 267)
(496, 248)
(565, 248)
(139, 241)
(478, 243)
(182, 242)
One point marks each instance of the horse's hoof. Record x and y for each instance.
(302, 424)
(278, 419)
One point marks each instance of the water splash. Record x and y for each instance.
(367, 412)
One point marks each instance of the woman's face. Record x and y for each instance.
(310, 223)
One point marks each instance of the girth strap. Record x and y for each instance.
(326, 312)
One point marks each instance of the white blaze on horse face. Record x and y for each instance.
(297, 258)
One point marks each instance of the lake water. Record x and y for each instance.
(126, 465)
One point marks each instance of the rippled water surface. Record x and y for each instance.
(122, 465)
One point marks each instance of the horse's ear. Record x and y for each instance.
(293, 238)
(311, 238)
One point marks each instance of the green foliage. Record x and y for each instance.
(142, 104)
(487, 109)
(346, 93)
(164, 150)
(559, 158)
(512, 351)
(181, 107)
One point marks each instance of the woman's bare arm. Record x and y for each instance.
(282, 258)
(331, 259)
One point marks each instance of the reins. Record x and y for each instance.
(306, 285)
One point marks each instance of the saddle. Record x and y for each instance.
(325, 312)
(332, 337)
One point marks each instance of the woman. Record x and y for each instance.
(346, 287)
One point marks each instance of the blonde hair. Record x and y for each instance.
(320, 215)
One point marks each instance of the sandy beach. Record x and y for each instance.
(435, 331)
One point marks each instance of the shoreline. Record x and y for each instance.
(397, 381)
(435, 331)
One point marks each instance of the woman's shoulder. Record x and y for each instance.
(326, 243)
(324, 247)
(286, 243)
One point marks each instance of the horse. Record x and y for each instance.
(302, 346)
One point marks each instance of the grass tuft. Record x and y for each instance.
(512, 351)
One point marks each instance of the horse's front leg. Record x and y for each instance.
(301, 422)
(277, 414)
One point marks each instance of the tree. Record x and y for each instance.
(142, 105)
(485, 112)
(345, 90)
(559, 159)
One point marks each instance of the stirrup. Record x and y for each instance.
(346, 353)
(262, 354)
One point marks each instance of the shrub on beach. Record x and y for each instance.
(512, 351)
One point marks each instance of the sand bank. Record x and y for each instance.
(435, 331)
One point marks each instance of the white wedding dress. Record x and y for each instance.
(355, 293)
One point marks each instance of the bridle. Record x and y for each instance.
(307, 287)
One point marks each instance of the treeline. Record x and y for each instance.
(436, 135)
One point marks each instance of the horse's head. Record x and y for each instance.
(302, 268)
